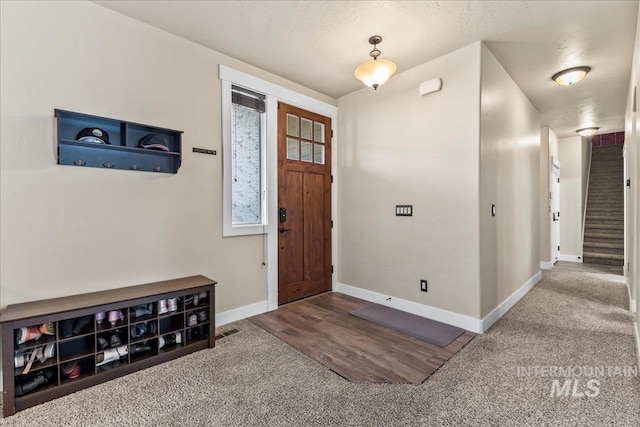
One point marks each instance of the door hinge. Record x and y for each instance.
(331, 133)
(558, 214)
(332, 269)
(331, 223)
(332, 179)
(558, 179)
(558, 247)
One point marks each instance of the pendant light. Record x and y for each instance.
(376, 72)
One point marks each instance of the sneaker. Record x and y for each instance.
(28, 385)
(170, 339)
(71, 370)
(199, 298)
(100, 317)
(139, 311)
(80, 325)
(172, 303)
(139, 348)
(66, 327)
(138, 330)
(111, 355)
(202, 316)
(162, 306)
(114, 340)
(102, 343)
(115, 316)
(28, 334)
(47, 329)
(192, 319)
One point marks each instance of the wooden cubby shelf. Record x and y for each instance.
(54, 347)
(121, 149)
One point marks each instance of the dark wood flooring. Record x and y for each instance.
(358, 350)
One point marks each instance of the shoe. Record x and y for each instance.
(170, 339)
(114, 340)
(192, 319)
(115, 316)
(138, 330)
(41, 354)
(162, 307)
(202, 316)
(139, 348)
(80, 325)
(28, 385)
(66, 327)
(139, 311)
(100, 317)
(199, 298)
(71, 370)
(102, 343)
(47, 329)
(28, 334)
(172, 303)
(111, 355)
(151, 327)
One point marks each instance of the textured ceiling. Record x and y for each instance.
(319, 43)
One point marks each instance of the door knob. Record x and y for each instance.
(282, 229)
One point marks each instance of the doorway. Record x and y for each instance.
(304, 203)
(555, 212)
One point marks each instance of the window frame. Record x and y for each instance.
(228, 228)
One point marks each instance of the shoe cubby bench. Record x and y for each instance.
(54, 347)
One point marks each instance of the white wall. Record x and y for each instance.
(632, 146)
(68, 230)
(571, 185)
(548, 151)
(510, 179)
(400, 148)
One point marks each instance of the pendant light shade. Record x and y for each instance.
(376, 72)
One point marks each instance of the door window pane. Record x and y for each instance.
(318, 154)
(292, 125)
(318, 132)
(305, 151)
(305, 129)
(293, 152)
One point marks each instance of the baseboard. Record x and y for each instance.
(506, 305)
(241, 313)
(546, 265)
(460, 320)
(632, 305)
(570, 258)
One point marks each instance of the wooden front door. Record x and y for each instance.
(304, 203)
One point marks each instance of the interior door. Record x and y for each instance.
(555, 214)
(304, 203)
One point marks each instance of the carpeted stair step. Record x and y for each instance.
(601, 226)
(603, 259)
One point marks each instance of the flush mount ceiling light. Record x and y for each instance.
(587, 131)
(376, 72)
(570, 76)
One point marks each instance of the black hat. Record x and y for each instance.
(95, 135)
(154, 142)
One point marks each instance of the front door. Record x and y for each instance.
(304, 203)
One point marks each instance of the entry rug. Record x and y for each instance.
(424, 329)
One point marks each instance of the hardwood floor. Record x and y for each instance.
(356, 349)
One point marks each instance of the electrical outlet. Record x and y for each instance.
(423, 285)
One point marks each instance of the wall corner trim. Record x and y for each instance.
(637, 334)
(506, 305)
(546, 265)
(570, 258)
(460, 320)
(241, 313)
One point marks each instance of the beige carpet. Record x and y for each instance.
(570, 318)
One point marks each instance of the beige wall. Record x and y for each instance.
(510, 179)
(571, 181)
(67, 230)
(548, 151)
(632, 147)
(585, 150)
(400, 148)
